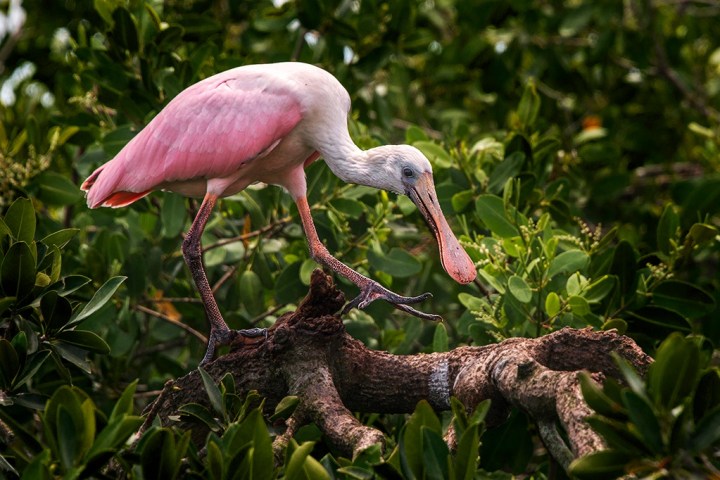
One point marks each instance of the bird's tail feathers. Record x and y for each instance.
(102, 190)
(87, 184)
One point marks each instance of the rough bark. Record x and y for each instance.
(308, 354)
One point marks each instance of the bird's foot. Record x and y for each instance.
(371, 291)
(221, 337)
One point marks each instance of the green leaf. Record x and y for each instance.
(60, 238)
(299, 462)
(68, 441)
(624, 266)
(114, 436)
(84, 339)
(348, 206)
(73, 354)
(397, 263)
(519, 289)
(56, 189)
(70, 284)
(5, 303)
(461, 200)
(414, 134)
(440, 338)
(667, 230)
(510, 167)
(707, 393)
(701, 233)
(4, 230)
(596, 398)
(578, 305)
(673, 375)
(529, 105)
(617, 435)
(262, 462)
(32, 365)
(161, 454)
(633, 379)
(642, 415)
(39, 467)
(436, 454)
(214, 462)
(707, 432)
(358, 473)
(601, 465)
(288, 287)
(413, 450)
(173, 215)
(599, 289)
(251, 292)
(471, 302)
(570, 261)
(466, 454)
(437, 155)
(683, 298)
(124, 404)
(285, 407)
(9, 364)
(20, 219)
(213, 391)
(101, 297)
(17, 273)
(125, 31)
(660, 320)
(200, 413)
(491, 210)
(56, 311)
(552, 304)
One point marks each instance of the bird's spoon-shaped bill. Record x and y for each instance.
(455, 260)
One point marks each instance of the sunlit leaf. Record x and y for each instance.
(20, 219)
(491, 210)
(17, 273)
(101, 297)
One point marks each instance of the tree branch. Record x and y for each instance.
(308, 354)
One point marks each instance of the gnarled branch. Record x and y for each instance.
(307, 353)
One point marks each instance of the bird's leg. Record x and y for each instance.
(370, 290)
(220, 333)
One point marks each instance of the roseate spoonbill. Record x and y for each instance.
(266, 123)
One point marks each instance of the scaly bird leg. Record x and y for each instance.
(370, 290)
(220, 333)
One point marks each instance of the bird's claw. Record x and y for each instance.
(253, 332)
(219, 338)
(374, 291)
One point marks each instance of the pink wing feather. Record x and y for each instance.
(210, 130)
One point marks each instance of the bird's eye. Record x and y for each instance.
(408, 172)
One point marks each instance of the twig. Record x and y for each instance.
(226, 276)
(276, 308)
(246, 236)
(179, 300)
(162, 316)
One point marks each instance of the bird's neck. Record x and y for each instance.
(363, 167)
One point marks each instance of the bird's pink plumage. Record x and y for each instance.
(209, 131)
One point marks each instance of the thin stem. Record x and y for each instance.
(168, 319)
(246, 236)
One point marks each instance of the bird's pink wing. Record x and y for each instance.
(209, 131)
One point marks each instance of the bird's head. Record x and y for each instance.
(407, 171)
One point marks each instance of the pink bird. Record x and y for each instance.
(266, 123)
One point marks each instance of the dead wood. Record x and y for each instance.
(308, 354)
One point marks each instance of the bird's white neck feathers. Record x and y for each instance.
(377, 167)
